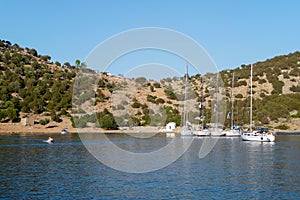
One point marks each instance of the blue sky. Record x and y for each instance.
(232, 32)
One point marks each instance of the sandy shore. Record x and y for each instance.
(54, 127)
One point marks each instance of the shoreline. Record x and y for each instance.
(17, 128)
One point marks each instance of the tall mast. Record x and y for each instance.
(202, 100)
(232, 101)
(216, 103)
(185, 96)
(251, 73)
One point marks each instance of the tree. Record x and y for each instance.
(67, 64)
(11, 112)
(106, 120)
(77, 63)
(33, 52)
(57, 63)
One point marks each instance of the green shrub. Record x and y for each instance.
(160, 100)
(239, 96)
(170, 94)
(136, 104)
(295, 88)
(156, 85)
(282, 127)
(152, 89)
(242, 83)
(106, 120)
(151, 98)
(261, 81)
(44, 121)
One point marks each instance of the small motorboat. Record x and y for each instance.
(64, 131)
(50, 140)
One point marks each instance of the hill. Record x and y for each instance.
(33, 86)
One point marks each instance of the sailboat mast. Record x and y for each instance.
(185, 96)
(202, 100)
(216, 103)
(232, 101)
(251, 74)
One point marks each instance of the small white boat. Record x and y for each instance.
(232, 133)
(217, 132)
(234, 130)
(201, 133)
(64, 131)
(50, 140)
(187, 128)
(258, 136)
(171, 134)
(186, 132)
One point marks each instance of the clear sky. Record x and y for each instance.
(233, 32)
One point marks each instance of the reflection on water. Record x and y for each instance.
(30, 168)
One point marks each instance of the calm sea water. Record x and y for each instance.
(32, 169)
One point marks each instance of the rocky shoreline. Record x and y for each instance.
(54, 128)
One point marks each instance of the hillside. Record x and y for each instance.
(33, 86)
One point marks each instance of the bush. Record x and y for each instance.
(261, 81)
(141, 80)
(277, 85)
(160, 100)
(295, 88)
(151, 98)
(135, 104)
(44, 121)
(55, 118)
(170, 94)
(107, 120)
(239, 96)
(242, 83)
(152, 89)
(156, 85)
(262, 95)
(295, 116)
(282, 127)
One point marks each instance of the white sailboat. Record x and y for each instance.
(186, 127)
(259, 136)
(203, 130)
(216, 130)
(234, 131)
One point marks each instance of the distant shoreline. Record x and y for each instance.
(287, 132)
(17, 128)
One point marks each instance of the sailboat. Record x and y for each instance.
(204, 130)
(187, 128)
(259, 135)
(234, 130)
(216, 129)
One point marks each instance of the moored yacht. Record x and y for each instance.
(259, 136)
(262, 135)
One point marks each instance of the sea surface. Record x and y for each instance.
(234, 169)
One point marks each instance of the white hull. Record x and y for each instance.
(49, 141)
(216, 132)
(232, 133)
(64, 131)
(171, 134)
(258, 137)
(204, 132)
(186, 132)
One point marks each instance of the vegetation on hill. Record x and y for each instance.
(32, 84)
